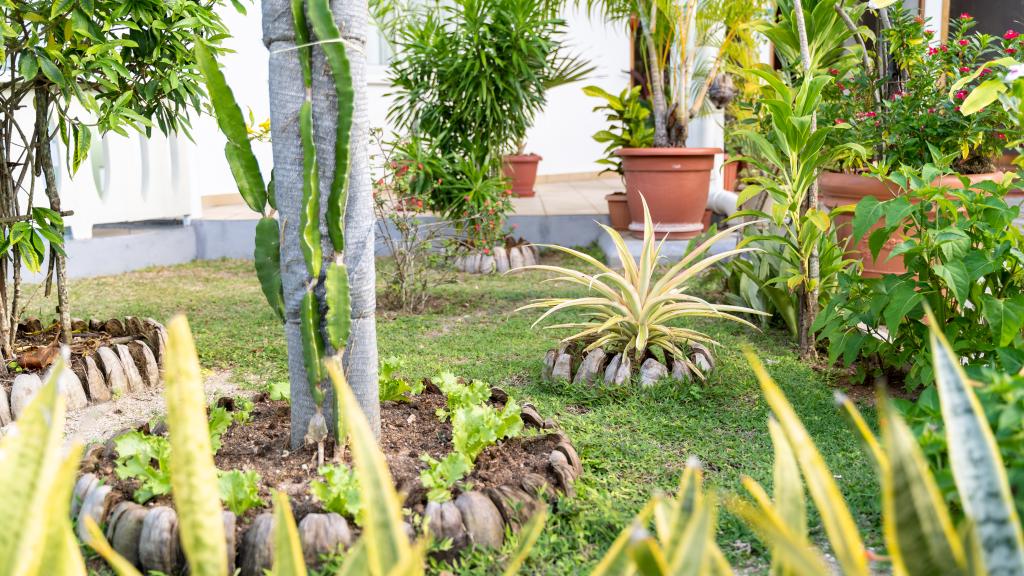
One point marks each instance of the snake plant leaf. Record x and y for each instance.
(309, 215)
(302, 42)
(864, 434)
(288, 559)
(119, 564)
(62, 554)
(31, 463)
(386, 543)
(788, 549)
(616, 560)
(647, 556)
(194, 478)
(527, 540)
(339, 308)
(326, 30)
(977, 467)
(918, 530)
(787, 492)
(843, 536)
(692, 553)
(241, 160)
(356, 563)
(312, 344)
(267, 256)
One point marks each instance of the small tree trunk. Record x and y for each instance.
(45, 160)
(809, 295)
(657, 79)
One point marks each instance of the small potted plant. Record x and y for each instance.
(900, 115)
(629, 126)
(675, 39)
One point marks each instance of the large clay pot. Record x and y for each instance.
(618, 211)
(838, 189)
(521, 169)
(675, 183)
(730, 175)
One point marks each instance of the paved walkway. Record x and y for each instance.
(563, 198)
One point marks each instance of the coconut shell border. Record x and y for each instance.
(568, 363)
(130, 361)
(148, 536)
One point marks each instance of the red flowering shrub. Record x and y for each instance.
(900, 115)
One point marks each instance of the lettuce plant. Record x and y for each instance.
(338, 492)
(240, 490)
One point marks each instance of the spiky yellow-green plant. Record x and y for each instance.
(633, 310)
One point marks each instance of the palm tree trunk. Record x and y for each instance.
(809, 296)
(286, 96)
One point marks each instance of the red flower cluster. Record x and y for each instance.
(1011, 34)
(966, 16)
(963, 42)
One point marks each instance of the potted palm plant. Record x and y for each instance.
(685, 45)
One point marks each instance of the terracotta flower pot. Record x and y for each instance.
(618, 211)
(730, 175)
(521, 169)
(837, 189)
(675, 183)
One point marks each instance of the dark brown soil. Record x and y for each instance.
(408, 430)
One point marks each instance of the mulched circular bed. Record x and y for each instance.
(509, 482)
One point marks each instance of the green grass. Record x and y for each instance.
(632, 441)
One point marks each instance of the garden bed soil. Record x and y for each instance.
(408, 429)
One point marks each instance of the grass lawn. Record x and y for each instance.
(632, 441)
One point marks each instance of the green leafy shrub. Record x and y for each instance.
(394, 388)
(965, 260)
(338, 492)
(240, 490)
(144, 457)
(442, 475)
(629, 124)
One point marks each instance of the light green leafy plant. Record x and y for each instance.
(339, 490)
(394, 388)
(458, 395)
(629, 124)
(144, 457)
(635, 310)
(240, 490)
(441, 476)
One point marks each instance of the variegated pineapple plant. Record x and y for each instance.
(633, 311)
(260, 198)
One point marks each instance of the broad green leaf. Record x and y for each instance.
(194, 476)
(839, 525)
(957, 278)
(977, 466)
(267, 256)
(868, 212)
(28, 65)
(386, 543)
(1005, 317)
(59, 7)
(902, 300)
(339, 310)
(986, 93)
(50, 70)
(326, 30)
(288, 560)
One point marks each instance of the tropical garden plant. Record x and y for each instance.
(629, 124)
(790, 153)
(963, 256)
(79, 70)
(470, 77)
(636, 311)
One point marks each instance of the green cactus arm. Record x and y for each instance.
(326, 30)
(302, 41)
(31, 461)
(339, 310)
(387, 545)
(267, 257)
(238, 151)
(835, 515)
(194, 475)
(918, 530)
(309, 216)
(312, 344)
(61, 554)
(115, 561)
(977, 466)
(288, 560)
